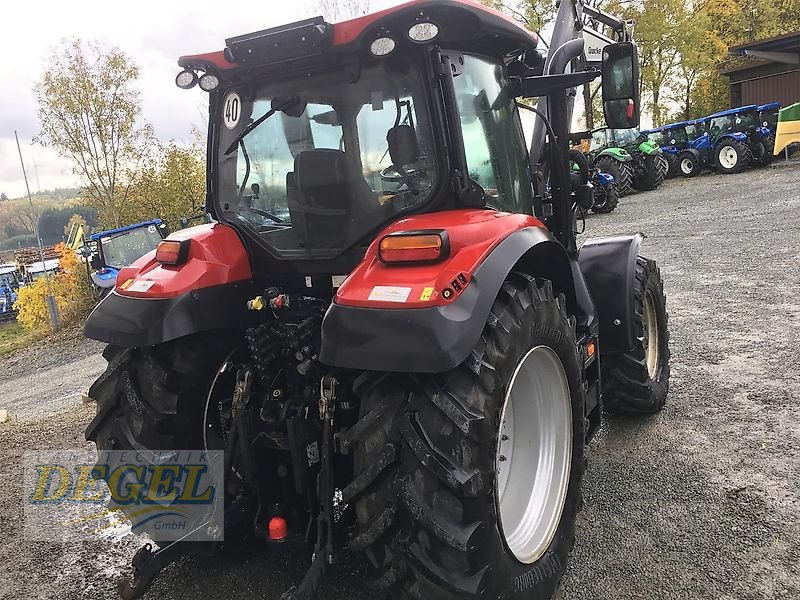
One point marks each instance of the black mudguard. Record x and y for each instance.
(608, 265)
(436, 339)
(136, 322)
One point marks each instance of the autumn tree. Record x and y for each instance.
(170, 186)
(338, 10)
(89, 110)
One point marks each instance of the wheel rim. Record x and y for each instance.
(651, 342)
(534, 454)
(728, 157)
(214, 430)
(687, 165)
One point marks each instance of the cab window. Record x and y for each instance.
(497, 158)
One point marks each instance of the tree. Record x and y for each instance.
(338, 10)
(88, 110)
(533, 14)
(171, 186)
(19, 218)
(3, 197)
(700, 53)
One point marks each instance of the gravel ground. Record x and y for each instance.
(700, 501)
(48, 377)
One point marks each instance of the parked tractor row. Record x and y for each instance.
(726, 142)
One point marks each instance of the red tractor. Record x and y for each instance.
(387, 324)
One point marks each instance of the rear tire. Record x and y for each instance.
(672, 165)
(732, 156)
(688, 164)
(155, 398)
(764, 156)
(606, 200)
(653, 174)
(638, 381)
(426, 491)
(622, 173)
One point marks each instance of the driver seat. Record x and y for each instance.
(327, 190)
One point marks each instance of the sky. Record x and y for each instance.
(153, 33)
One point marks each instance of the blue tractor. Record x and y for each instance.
(673, 139)
(738, 139)
(108, 251)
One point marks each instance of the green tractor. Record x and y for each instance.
(635, 161)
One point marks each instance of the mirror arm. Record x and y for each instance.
(563, 55)
(533, 87)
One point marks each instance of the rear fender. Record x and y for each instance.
(429, 318)
(734, 135)
(154, 303)
(617, 154)
(649, 147)
(608, 265)
(701, 143)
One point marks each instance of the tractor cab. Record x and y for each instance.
(109, 251)
(322, 134)
(743, 118)
(768, 115)
(675, 137)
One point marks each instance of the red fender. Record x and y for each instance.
(216, 256)
(473, 234)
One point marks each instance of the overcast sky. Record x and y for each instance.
(153, 33)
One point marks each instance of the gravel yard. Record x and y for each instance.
(700, 501)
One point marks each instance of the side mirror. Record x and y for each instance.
(620, 80)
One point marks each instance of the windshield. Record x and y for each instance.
(343, 153)
(123, 249)
(627, 137)
(598, 140)
(659, 137)
(694, 131)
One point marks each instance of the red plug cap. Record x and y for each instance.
(278, 529)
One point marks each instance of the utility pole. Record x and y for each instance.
(52, 307)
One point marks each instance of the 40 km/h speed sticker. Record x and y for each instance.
(231, 110)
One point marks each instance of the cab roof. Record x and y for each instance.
(102, 234)
(463, 24)
(733, 111)
(671, 126)
(770, 106)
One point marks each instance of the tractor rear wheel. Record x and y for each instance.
(637, 381)
(672, 165)
(652, 175)
(606, 199)
(621, 171)
(762, 151)
(688, 164)
(160, 398)
(467, 483)
(732, 156)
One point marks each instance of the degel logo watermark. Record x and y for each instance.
(168, 494)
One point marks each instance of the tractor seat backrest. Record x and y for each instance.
(321, 205)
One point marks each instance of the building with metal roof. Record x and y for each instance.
(772, 73)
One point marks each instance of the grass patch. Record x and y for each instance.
(14, 336)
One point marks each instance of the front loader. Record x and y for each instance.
(387, 325)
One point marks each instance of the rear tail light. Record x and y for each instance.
(414, 246)
(172, 252)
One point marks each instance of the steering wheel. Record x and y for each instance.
(392, 174)
(267, 214)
